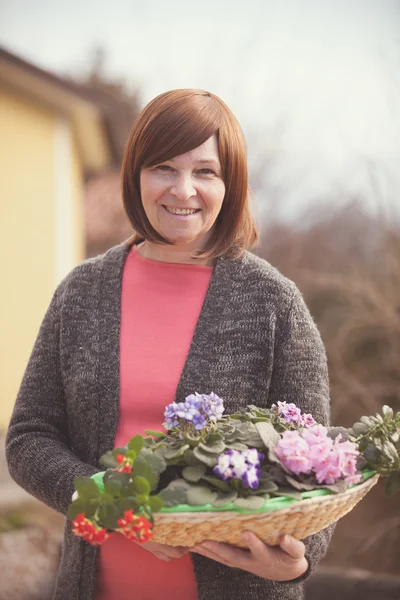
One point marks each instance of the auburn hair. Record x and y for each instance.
(172, 124)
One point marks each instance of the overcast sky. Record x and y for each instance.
(314, 83)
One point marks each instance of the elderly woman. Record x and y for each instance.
(180, 307)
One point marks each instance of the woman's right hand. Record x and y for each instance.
(165, 552)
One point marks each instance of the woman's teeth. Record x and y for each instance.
(181, 211)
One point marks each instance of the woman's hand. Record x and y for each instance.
(280, 563)
(165, 552)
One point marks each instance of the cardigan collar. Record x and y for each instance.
(196, 372)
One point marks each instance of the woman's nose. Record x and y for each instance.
(183, 188)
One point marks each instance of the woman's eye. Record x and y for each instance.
(163, 168)
(206, 172)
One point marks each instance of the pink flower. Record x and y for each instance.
(320, 449)
(307, 421)
(290, 412)
(328, 470)
(315, 434)
(293, 451)
(353, 479)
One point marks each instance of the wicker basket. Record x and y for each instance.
(300, 520)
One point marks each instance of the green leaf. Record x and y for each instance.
(237, 446)
(109, 515)
(216, 448)
(108, 460)
(200, 494)
(171, 453)
(269, 436)
(218, 483)
(223, 499)
(213, 437)
(190, 459)
(132, 455)
(136, 443)
(208, 459)
(156, 462)
(360, 429)
(194, 474)
(175, 493)
(142, 469)
(141, 485)
(289, 492)
(387, 412)
(155, 503)
(155, 434)
(76, 508)
(250, 503)
(113, 488)
(86, 488)
(369, 421)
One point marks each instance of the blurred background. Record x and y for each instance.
(316, 88)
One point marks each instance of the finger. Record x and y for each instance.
(235, 556)
(258, 548)
(162, 556)
(295, 548)
(212, 556)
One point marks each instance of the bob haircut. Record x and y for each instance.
(172, 124)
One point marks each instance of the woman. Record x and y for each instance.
(180, 307)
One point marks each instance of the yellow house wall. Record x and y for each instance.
(27, 227)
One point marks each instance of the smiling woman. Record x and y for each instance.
(181, 306)
(180, 160)
(182, 200)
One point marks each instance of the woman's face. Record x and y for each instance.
(182, 196)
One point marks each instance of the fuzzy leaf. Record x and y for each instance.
(171, 453)
(175, 493)
(270, 438)
(300, 485)
(213, 437)
(218, 483)
(200, 494)
(216, 448)
(360, 429)
(333, 432)
(250, 503)
(223, 499)
(237, 446)
(289, 492)
(190, 459)
(208, 459)
(194, 474)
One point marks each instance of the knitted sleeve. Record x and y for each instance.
(38, 455)
(300, 375)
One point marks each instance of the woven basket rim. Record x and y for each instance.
(302, 505)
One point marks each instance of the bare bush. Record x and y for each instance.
(347, 264)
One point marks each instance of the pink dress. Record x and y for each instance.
(160, 306)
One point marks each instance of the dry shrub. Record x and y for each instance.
(347, 264)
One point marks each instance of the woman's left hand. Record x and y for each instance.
(280, 563)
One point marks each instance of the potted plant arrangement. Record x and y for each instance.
(210, 475)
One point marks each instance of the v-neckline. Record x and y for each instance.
(196, 371)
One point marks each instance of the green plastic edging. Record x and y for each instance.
(269, 505)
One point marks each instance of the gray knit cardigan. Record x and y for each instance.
(255, 343)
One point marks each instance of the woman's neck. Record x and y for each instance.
(170, 254)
